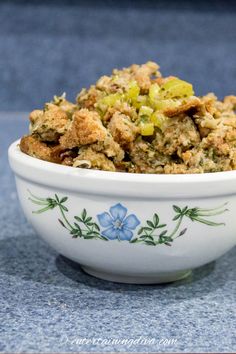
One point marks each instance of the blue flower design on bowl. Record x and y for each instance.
(118, 225)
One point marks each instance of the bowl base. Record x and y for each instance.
(158, 278)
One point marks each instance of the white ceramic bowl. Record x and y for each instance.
(131, 228)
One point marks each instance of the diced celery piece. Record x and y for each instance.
(146, 128)
(108, 101)
(140, 101)
(133, 91)
(145, 111)
(161, 105)
(176, 88)
(154, 93)
(159, 120)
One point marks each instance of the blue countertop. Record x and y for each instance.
(47, 303)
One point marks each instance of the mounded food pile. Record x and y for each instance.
(136, 121)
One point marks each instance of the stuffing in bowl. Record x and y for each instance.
(121, 181)
(136, 121)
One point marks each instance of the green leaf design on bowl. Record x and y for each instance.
(151, 233)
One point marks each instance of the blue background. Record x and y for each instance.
(48, 47)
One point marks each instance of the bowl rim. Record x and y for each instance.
(33, 169)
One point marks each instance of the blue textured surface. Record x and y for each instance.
(48, 47)
(47, 304)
